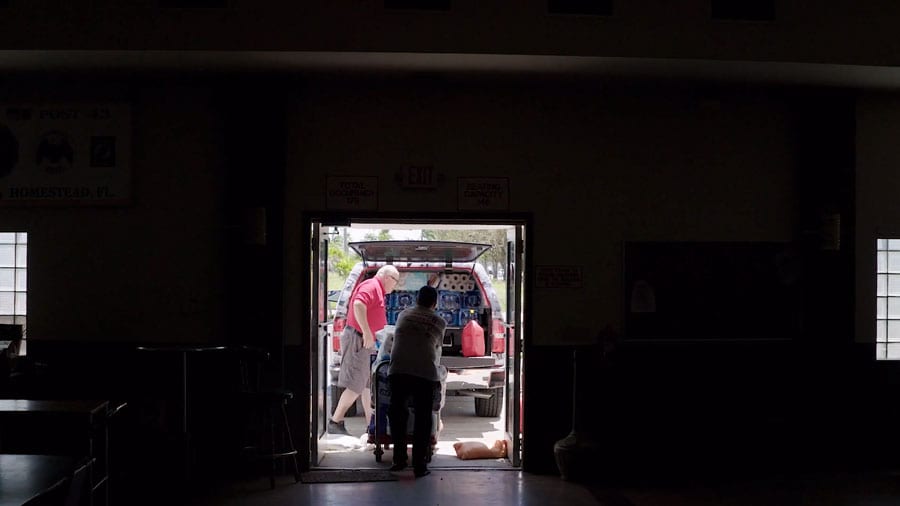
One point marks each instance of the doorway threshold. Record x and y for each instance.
(353, 452)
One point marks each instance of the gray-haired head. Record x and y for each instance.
(389, 276)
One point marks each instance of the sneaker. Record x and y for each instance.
(337, 428)
(398, 466)
(421, 471)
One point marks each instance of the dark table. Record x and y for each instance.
(183, 351)
(25, 476)
(86, 420)
(89, 408)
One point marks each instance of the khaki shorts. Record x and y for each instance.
(356, 362)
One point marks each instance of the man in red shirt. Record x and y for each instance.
(366, 315)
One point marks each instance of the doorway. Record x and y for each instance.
(480, 403)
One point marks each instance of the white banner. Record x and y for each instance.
(65, 154)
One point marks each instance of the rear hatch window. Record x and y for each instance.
(419, 251)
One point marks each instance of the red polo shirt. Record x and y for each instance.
(371, 293)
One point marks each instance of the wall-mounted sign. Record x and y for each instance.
(352, 193)
(418, 177)
(65, 154)
(558, 276)
(483, 194)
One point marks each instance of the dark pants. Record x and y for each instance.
(404, 386)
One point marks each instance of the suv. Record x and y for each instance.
(465, 292)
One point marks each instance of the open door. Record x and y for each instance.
(324, 450)
(514, 280)
(318, 335)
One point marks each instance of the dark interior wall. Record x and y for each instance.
(878, 211)
(254, 119)
(720, 167)
(219, 162)
(152, 270)
(620, 161)
(194, 258)
(763, 407)
(877, 216)
(189, 258)
(597, 164)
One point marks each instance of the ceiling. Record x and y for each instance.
(311, 62)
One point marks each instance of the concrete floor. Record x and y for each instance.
(452, 484)
(473, 487)
(442, 487)
(460, 424)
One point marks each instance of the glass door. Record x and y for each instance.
(318, 336)
(514, 262)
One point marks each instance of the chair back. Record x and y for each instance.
(79, 487)
(251, 360)
(53, 496)
(73, 490)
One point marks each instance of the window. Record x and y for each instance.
(13, 277)
(887, 299)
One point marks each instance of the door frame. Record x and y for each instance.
(310, 341)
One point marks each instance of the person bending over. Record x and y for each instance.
(414, 372)
(366, 315)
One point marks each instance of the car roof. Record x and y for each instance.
(419, 251)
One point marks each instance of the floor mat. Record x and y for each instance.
(347, 476)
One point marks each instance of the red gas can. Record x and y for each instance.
(473, 340)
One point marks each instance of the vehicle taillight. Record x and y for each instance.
(498, 345)
(336, 330)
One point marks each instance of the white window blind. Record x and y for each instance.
(13, 277)
(887, 299)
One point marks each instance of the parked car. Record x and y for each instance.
(465, 292)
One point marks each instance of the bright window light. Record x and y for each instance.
(887, 299)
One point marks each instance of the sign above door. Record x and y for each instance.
(352, 193)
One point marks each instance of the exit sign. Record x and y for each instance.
(419, 177)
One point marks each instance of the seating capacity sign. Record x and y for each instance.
(65, 154)
(483, 194)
